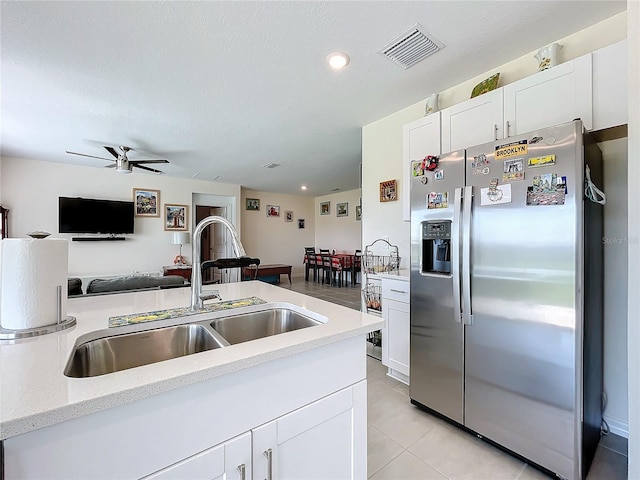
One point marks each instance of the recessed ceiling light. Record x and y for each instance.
(303, 187)
(338, 60)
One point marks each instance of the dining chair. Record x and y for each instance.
(326, 266)
(310, 253)
(356, 266)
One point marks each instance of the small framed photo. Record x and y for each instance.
(288, 216)
(389, 191)
(147, 202)
(358, 213)
(176, 217)
(325, 208)
(253, 204)
(273, 210)
(301, 223)
(342, 210)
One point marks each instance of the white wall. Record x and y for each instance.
(273, 240)
(31, 190)
(342, 234)
(615, 274)
(633, 35)
(382, 160)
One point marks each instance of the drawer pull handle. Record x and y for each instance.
(397, 291)
(242, 471)
(268, 453)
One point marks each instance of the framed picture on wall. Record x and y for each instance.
(301, 223)
(358, 213)
(325, 208)
(342, 209)
(253, 204)
(273, 210)
(176, 217)
(288, 216)
(147, 202)
(389, 191)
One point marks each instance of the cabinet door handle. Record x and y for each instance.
(268, 453)
(241, 471)
(495, 131)
(397, 291)
(508, 126)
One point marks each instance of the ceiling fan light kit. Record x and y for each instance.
(121, 163)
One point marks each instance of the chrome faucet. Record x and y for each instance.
(197, 297)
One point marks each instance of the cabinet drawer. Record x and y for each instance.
(395, 290)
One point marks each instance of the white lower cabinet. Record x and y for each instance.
(395, 335)
(315, 441)
(226, 461)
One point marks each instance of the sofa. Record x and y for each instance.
(124, 284)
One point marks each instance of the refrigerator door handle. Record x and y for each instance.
(455, 254)
(467, 316)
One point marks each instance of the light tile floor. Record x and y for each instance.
(405, 442)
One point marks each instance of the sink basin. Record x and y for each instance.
(120, 352)
(260, 324)
(112, 350)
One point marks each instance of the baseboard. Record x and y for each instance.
(617, 426)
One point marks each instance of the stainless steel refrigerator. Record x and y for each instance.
(506, 294)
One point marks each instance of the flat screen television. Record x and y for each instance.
(87, 215)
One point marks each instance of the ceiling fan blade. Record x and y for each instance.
(112, 151)
(146, 168)
(148, 161)
(90, 156)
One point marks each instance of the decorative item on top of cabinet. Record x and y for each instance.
(486, 85)
(432, 104)
(548, 56)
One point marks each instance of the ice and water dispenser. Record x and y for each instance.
(436, 246)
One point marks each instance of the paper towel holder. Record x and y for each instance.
(62, 324)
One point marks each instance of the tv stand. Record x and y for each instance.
(96, 239)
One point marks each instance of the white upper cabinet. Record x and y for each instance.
(610, 86)
(419, 139)
(476, 121)
(557, 95)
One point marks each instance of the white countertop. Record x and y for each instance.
(35, 393)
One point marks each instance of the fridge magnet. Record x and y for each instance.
(513, 170)
(513, 149)
(547, 189)
(480, 171)
(542, 161)
(495, 194)
(424, 180)
(438, 175)
(480, 161)
(388, 191)
(534, 140)
(438, 200)
(416, 168)
(430, 162)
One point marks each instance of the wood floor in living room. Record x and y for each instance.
(405, 442)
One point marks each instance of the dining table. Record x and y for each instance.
(340, 262)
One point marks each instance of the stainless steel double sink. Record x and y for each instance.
(112, 350)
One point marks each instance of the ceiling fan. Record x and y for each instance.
(121, 163)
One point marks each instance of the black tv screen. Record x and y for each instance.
(86, 215)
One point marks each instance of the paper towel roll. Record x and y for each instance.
(32, 269)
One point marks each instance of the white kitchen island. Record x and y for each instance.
(287, 406)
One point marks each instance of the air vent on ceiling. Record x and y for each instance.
(412, 47)
(335, 189)
(270, 165)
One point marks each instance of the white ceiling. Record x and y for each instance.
(222, 88)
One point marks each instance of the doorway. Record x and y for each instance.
(213, 243)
